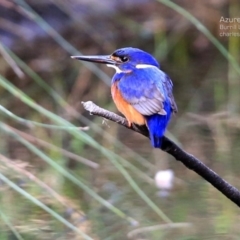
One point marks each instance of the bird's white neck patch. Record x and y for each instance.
(118, 70)
(144, 66)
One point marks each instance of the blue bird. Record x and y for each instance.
(140, 90)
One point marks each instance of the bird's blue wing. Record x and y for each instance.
(169, 87)
(147, 90)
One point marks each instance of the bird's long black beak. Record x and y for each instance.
(98, 59)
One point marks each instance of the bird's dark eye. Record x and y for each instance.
(124, 59)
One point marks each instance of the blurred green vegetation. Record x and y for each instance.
(65, 174)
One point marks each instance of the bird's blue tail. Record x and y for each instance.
(157, 125)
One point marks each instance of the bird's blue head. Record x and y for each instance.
(124, 59)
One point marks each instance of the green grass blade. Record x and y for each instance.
(11, 227)
(43, 206)
(60, 40)
(81, 136)
(66, 173)
(95, 127)
(204, 30)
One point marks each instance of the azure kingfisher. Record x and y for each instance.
(140, 90)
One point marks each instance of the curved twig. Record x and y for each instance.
(179, 154)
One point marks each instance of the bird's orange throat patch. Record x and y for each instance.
(132, 115)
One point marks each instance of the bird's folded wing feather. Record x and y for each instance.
(169, 86)
(147, 90)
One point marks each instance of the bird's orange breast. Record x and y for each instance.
(132, 115)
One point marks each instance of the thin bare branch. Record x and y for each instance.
(173, 149)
